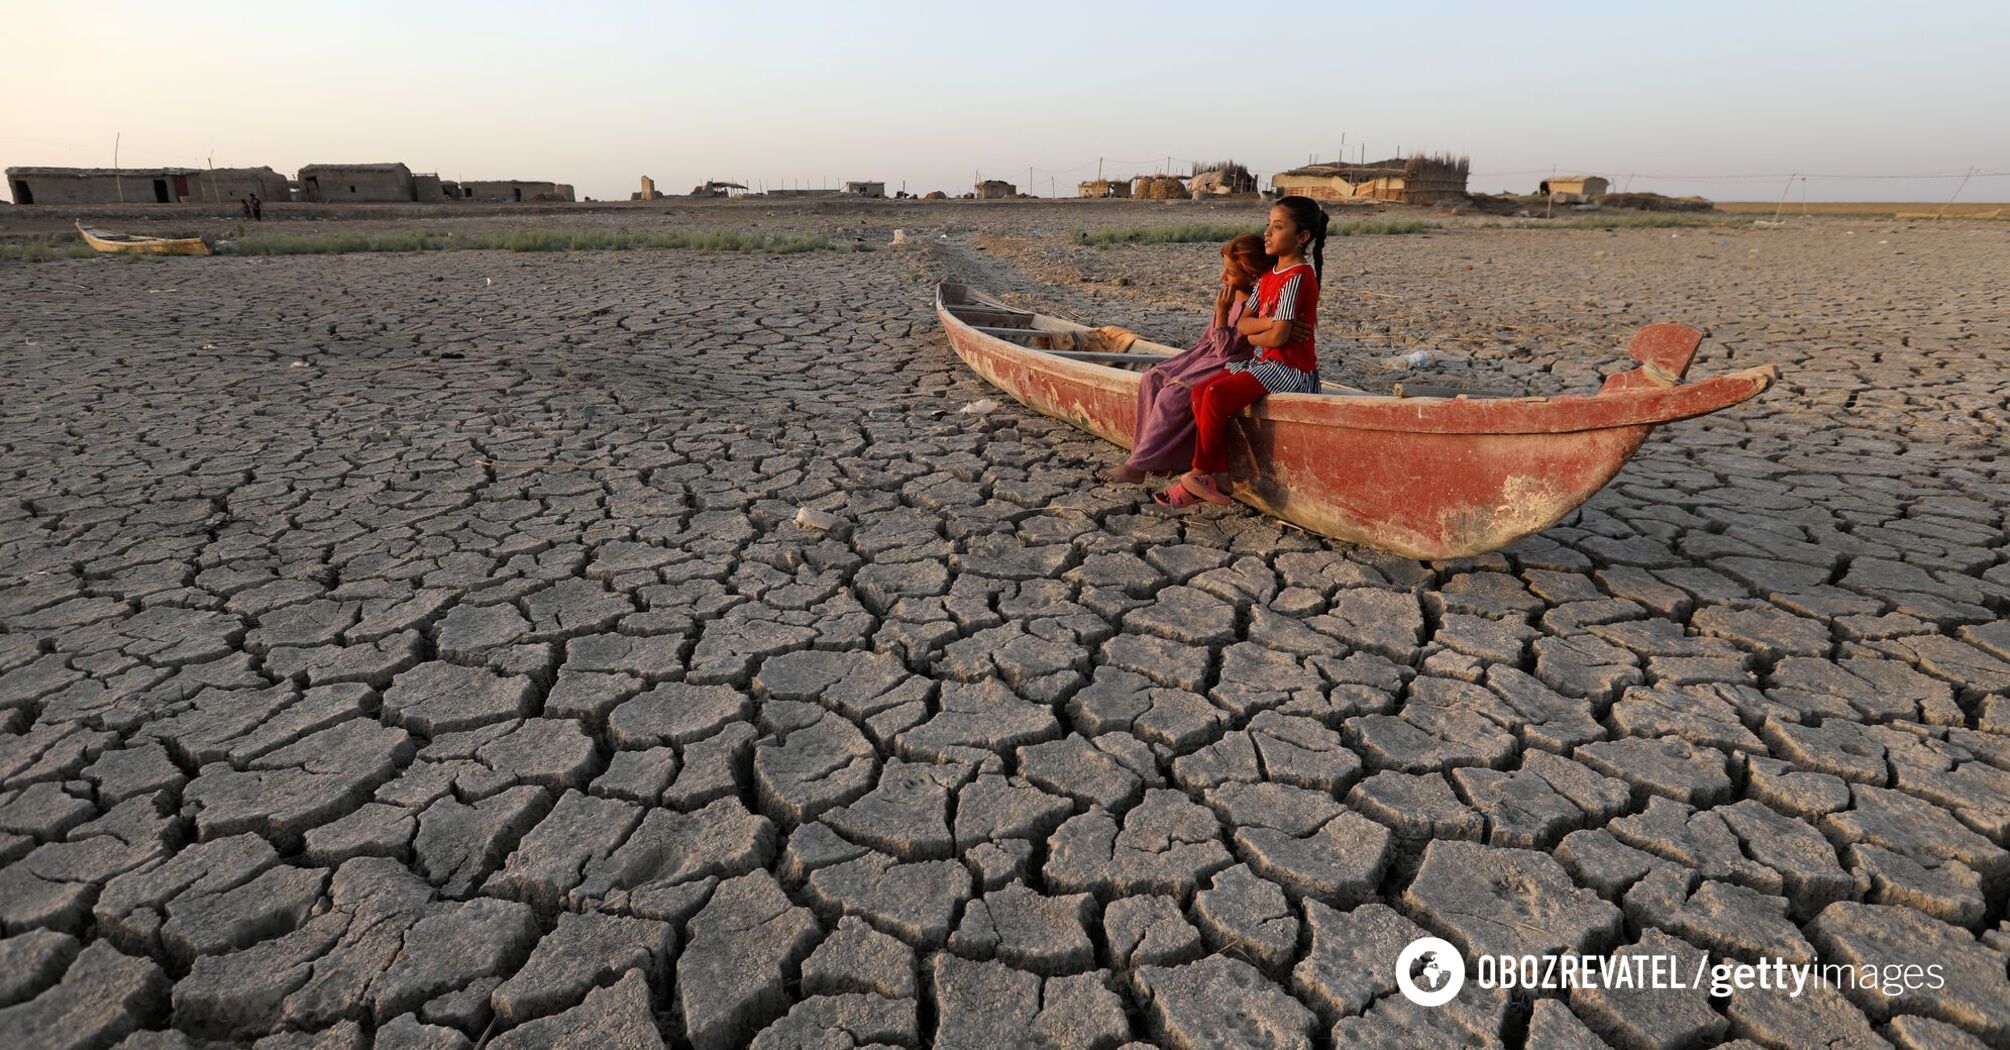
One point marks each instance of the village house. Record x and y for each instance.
(1573, 189)
(32, 185)
(866, 189)
(514, 190)
(1103, 188)
(1418, 179)
(995, 190)
(428, 187)
(357, 182)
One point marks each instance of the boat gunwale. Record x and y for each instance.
(1535, 415)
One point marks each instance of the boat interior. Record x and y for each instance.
(993, 318)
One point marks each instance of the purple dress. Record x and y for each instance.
(1165, 430)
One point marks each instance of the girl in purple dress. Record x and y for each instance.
(1163, 441)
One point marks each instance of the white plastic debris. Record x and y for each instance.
(980, 407)
(818, 520)
(900, 236)
(1413, 359)
(489, 280)
(298, 364)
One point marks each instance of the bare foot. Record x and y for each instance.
(1121, 474)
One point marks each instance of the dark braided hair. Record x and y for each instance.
(1307, 215)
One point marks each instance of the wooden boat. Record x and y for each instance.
(105, 241)
(1425, 477)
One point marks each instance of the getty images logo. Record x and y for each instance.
(1430, 971)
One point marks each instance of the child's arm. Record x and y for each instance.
(1265, 331)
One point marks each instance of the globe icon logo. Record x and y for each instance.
(1429, 971)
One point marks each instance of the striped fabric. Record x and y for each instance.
(1277, 377)
(1287, 298)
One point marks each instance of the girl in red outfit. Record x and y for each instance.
(1284, 361)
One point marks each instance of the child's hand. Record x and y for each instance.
(1301, 332)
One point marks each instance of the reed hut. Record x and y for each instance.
(996, 190)
(1103, 188)
(1417, 179)
(1159, 188)
(1573, 189)
(1221, 179)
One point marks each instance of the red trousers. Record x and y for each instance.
(1216, 400)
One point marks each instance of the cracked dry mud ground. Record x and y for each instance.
(471, 679)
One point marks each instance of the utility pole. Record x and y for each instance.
(1950, 198)
(118, 177)
(1784, 190)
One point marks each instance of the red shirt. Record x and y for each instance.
(1291, 294)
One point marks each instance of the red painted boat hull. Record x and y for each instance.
(1424, 477)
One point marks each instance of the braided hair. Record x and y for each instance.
(1307, 215)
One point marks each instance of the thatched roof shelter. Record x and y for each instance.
(1222, 177)
(1571, 189)
(1159, 188)
(1417, 179)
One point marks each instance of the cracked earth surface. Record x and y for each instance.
(415, 650)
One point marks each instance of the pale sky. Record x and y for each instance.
(1718, 99)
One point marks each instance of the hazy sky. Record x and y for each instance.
(598, 93)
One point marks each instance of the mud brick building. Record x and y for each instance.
(514, 190)
(35, 185)
(357, 182)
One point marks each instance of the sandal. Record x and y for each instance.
(1179, 496)
(1203, 486)
(1176, 498)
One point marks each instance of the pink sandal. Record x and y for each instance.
(1187, 492)
(1203, 485)
(1177, 498)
